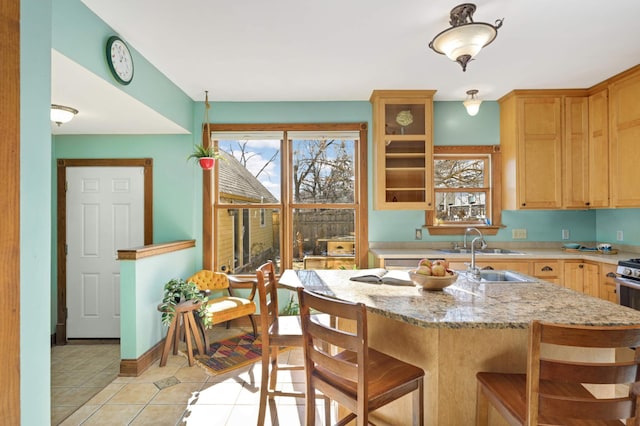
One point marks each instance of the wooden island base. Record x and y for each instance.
(450, 358)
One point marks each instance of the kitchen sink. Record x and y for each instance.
(501, 276)
(481, 251)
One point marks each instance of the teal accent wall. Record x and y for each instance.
(141, 291)
(35, 198)
(610, 221)
(81, 36)
(453, 126)
(287, 112)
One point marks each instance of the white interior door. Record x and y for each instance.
(105, 213)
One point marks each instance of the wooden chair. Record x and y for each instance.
(359, 378)
(552, 391)
(224, 308)
(276, 332)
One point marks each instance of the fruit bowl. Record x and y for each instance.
(430, 282)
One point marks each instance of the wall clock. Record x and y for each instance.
(119, 60)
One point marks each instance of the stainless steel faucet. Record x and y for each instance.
(469, 230)
(473, 270)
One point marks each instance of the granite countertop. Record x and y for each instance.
(524, 254)
(467, 304)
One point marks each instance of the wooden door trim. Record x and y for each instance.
(60, 337)
(10, 362)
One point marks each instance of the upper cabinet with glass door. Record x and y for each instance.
(403, 149)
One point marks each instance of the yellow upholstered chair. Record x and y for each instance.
(224, 308)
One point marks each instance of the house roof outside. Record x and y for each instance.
(236, 180)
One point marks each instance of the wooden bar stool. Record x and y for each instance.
(554, 390)
(183, 318)
(359, 378)
(277, 332)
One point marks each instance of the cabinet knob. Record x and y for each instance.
(580, 266)
(488, 268)
(524, 204)
(547, 268)
(587, 203)
(611, 275)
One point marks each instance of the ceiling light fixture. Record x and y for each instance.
(464, 39)
(472, 104)
(62, 114)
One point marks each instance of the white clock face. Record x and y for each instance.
(121, 61)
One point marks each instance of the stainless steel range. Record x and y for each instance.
(628, 283)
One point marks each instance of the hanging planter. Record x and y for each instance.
(207, 163)
(205, 156)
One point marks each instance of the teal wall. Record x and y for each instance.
(609, 221)
(141, 287)
(35, 198)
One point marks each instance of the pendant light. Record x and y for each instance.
(472, 104)
(465, 38)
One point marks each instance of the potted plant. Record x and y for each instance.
(205, 156)
(178, 290)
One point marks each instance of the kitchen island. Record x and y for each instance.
(454, 333)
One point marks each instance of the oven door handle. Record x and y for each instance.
(626, 283)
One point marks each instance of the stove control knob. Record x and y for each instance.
(627, 272)
(636, 273)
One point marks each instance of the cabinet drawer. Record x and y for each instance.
(511, 266)
(495, 265)
(545, 269)
(346, 263)
(609, 274)
(339, 247)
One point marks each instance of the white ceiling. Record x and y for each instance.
(293, 50)
(102, 108)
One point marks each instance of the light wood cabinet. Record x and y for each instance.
(624, 115)
(607, 284)
(403, 149)
(598, 175)
(586, 151)
(582, 276)
(531, 144)
(548, 270)
(575, 172)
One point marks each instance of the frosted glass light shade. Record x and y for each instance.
(62, 114)
(472, 106)
(464, 40)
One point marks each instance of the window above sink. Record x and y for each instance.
(467, 188)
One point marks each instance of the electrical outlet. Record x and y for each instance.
(519, 234)
(620, 236)
(418, 234)
(565, 234)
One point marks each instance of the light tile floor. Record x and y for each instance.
(85, 394)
